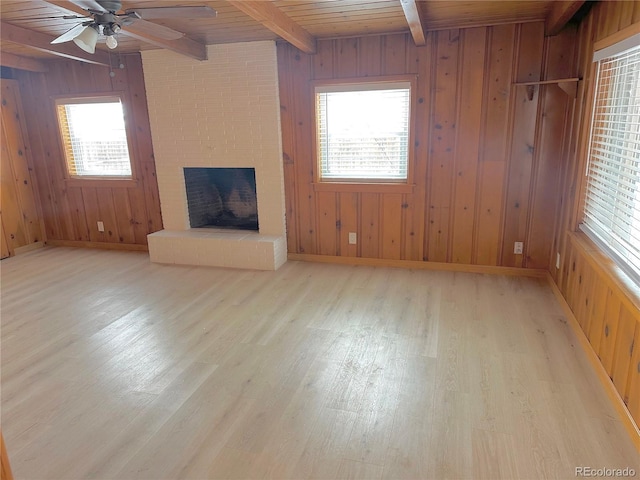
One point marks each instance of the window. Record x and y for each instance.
(94, 137)
(363, 131)
(612, 203)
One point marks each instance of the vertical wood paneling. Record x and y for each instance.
(493, 151)
(443, 137)
(11, 217)
(369, 59)
(393, 54)
(43, 147)
(327, 223)
(576, 281)
(322, 61)
(92, 214)
(623, 351)
(598, 308)
(302, 156)
(348, 223)
(370, 225)
(565, 263)
(549, 158)
(571, 277)
(285, 80)
(521, 149)
(146, 214)
(633, 382)
(611, 18)
(626, 14)
(4, 244)
(70, 212)
(124, 218)
(108, 214)
(608, 342)
(78, 217)
(21, 164)
(554, 148)
(419, 63)
(464, 119)
(21, 218)
(583, 296)
(467, 149)
(391, 226)
(141, 223)
(346, 57)
(636, 12)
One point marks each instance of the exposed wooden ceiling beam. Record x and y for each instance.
(412, 14)
(183, 46)
(271, 17)
(42, 42)
(22, 63)
(559, 15)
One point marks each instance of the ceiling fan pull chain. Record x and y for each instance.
(112, 74)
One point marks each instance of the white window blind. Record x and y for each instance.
(363, 131)
(94, 137)
(612, 203)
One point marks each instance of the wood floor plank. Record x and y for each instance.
(116, 368)
(326, 446)
(405, 457)
(108, 461)
(350, 470)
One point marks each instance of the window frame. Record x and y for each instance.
(366, 184)
(128, 181)
(602, 50)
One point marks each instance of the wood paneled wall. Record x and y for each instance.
(71, 212)
(20, 220)
(486, 159)
(607, 307)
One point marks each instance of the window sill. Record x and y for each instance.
(99, 182)
(611, 273)
(363, 187)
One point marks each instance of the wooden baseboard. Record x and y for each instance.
(28, 248)
(102, 245)
(605, 380)
(438, 266)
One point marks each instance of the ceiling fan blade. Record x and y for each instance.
(70, 34)
(172, 12)
(91, 5)
(153, 29)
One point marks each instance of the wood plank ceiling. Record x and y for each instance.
(28, 26)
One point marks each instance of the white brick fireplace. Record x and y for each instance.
(223, 112)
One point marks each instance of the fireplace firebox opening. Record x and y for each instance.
(222, 197)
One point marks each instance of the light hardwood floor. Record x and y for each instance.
(113, 367)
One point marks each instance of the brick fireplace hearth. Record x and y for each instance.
(220, 113)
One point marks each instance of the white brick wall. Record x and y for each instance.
(222, 112)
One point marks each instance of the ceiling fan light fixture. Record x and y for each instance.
(87, 39)
(112, 42)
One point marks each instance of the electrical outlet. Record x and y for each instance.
(558, 260)
(352, 238)
(517, 248)
(100, 226)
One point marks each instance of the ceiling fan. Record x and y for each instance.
(103, 18)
